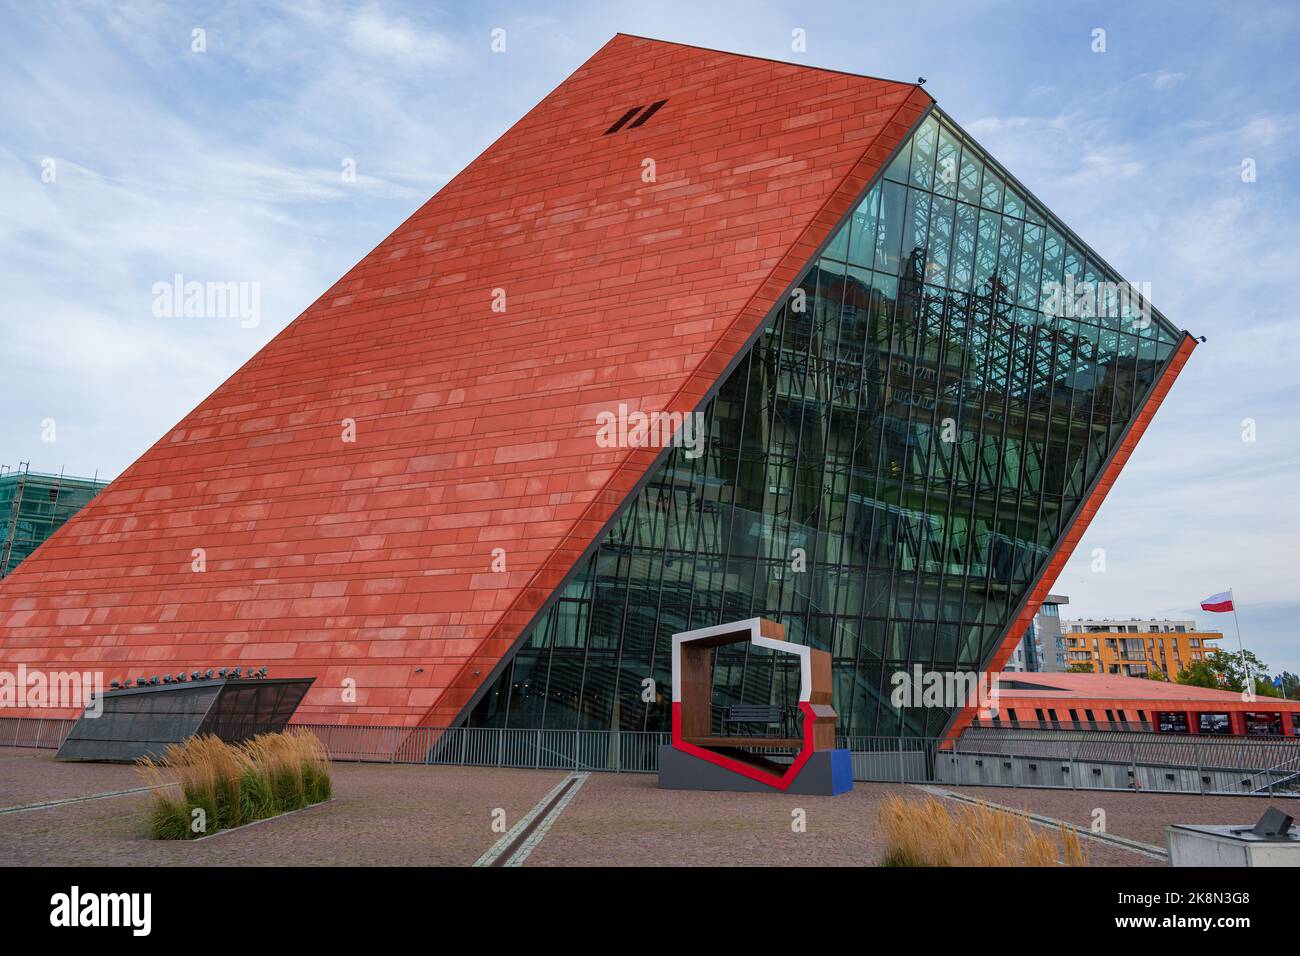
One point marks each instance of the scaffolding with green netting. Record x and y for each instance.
(34, 505)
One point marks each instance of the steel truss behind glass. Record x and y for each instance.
(887, 469)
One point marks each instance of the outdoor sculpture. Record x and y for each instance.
(702, 759)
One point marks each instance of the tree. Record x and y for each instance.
(1264, 688)
(1201, 674)
(1080, 667)
(1223, 671)
(1290, 686)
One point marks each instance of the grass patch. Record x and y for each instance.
(206, 785)
(927, 833)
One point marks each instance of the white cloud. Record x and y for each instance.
(1102, 165)
(375, 34)
(1256, 132)
(1163, 79)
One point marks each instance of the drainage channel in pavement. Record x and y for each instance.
(47, 804)
(520, 840)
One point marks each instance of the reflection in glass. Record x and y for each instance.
(887, 470)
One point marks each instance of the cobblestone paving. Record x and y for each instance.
(625, 820)
(381, 814)
(413, 815)
(1138, 816)
(34, 776)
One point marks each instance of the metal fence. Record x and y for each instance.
(1219, 753)
(620, 751)
(1099, 760)
(44, 732)
(1077, 760)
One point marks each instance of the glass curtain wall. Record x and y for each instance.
(886, 470)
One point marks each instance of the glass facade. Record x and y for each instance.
(886, 471)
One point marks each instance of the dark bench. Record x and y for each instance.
(768, 714)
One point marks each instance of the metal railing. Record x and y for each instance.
(1285, 774)
(1183, 750)
(39, 732)
(619, 751)
(1080, 760)
(1097, 760)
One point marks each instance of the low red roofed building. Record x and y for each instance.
(1112, 702)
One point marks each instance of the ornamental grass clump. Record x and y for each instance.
(926, 833)
(205, 785)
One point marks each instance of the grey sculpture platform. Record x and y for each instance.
(826, 774)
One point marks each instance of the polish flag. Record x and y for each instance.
(1218, 602)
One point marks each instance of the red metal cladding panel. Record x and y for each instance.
(1076, 531)
(625, 268)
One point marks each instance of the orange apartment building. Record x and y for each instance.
(1137, 646)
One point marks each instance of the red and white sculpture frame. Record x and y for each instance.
(692, 663)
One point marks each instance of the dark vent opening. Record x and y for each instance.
(654, 108)
(623, 119)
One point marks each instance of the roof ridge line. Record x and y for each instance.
(767, 59)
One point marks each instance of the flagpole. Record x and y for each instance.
(1249, 683)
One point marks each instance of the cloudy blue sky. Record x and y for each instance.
(226, 165)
